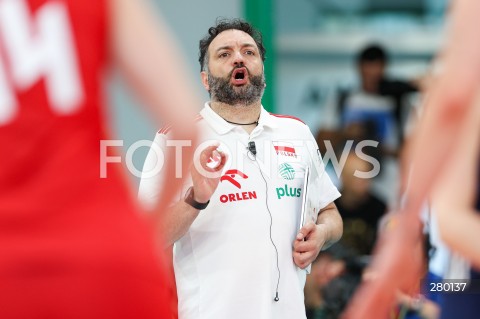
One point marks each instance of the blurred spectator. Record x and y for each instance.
(324, 269)
(334, 276)
(329, 264)
(338, 293)
(376, 109)
(360, 209)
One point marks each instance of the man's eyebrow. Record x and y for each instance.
(228, 47)
(223, 48)
(248, 45)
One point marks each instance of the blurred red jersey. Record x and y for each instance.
(72, 244)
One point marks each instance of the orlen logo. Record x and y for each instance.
(231, 176)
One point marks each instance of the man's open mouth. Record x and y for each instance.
(240, 76)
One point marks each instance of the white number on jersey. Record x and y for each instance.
(39, 46)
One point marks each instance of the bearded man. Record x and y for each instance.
(240, 248)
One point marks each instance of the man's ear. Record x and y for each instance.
(204, 76)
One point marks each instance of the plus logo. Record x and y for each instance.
(230, 176)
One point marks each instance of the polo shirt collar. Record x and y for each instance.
(267, 120)
(223, 127)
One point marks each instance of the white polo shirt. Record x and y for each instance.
(226, 264)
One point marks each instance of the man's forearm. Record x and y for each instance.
(330, 218)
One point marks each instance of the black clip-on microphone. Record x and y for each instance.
(252, 148)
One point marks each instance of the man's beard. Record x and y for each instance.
(221, 90)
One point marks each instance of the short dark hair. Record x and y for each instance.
(372, 53)
(228, 24)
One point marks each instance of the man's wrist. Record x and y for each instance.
(190, 200)
(324, 228)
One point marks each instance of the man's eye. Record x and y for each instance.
(249, 52)
(223, 55)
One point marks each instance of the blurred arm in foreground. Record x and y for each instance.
(147, 56)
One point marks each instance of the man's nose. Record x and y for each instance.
(238, 58)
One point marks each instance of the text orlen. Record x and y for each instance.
(235, 197)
